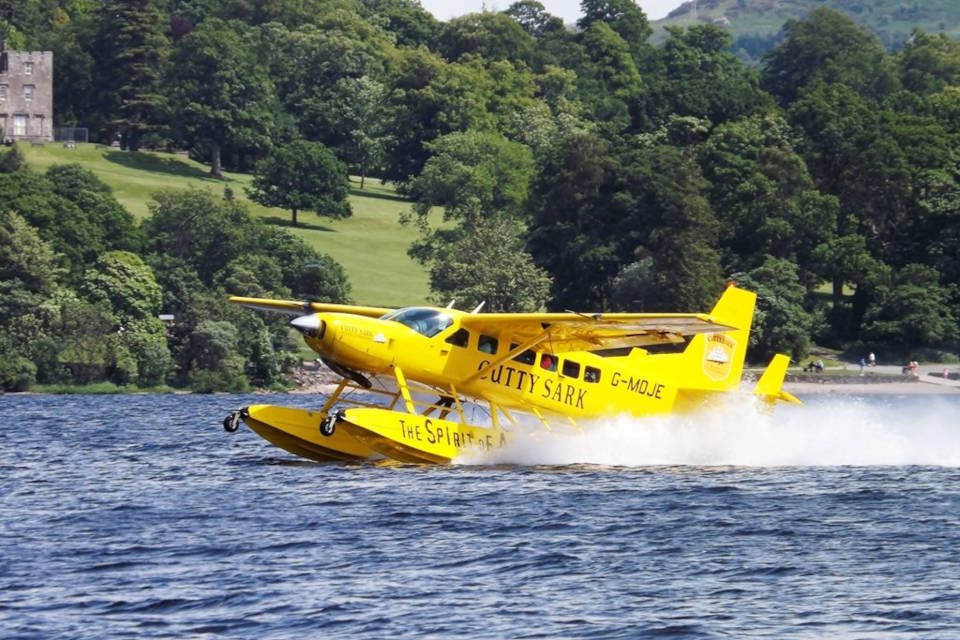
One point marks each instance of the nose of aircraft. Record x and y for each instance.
(309, 325)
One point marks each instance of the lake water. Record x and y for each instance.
(137, 516)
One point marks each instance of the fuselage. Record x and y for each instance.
(430, 346)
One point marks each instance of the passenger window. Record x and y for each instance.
(527, 357)
(460, 338)
(591, 374)
(487, 344)
(571, 369)
(548, 361)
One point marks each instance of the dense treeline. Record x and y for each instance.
(83, 287)
(578, 167)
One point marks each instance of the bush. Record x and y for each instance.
(17, 373)
(12, 160)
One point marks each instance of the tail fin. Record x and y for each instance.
(714, 361)
(770, 383)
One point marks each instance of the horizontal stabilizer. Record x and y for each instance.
(770, 385)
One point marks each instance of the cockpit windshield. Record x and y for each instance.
(427, 322)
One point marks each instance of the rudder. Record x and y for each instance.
(715, 360)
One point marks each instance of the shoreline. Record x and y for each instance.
(916, 387)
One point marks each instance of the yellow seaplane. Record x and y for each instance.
(423, 384)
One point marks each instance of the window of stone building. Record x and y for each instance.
(28, 92)
(3, 93)
(3, 62)
(28, 68)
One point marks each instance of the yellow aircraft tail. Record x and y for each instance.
(714, 361)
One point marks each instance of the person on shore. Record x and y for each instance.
(872, 359)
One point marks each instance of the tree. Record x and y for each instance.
(910, 308)
(87, 343)
(488, 264)
(482, 180)
(206, 233)
(624, 17)
(201, 248)
(94, 197)
(581, 202)
(12, 160)
(17, 373)
(194, 237)
(765, 198)
(252, 275)
(121, 281)
(781, 324)
(534, 18)
(79, 224)
(411, 23)
(302, 175)
(431, 98)
(473, 174)
(929, 63)
(131, 50)
(835, 120)
(828, 46)
(316, 71)
(219, 94)
(360, 113)
(682, 230)
(216, 364)
(608, 79)
(695, 74)
(492, 36)
(29, 278)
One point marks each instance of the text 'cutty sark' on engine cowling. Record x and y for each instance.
(422, 384)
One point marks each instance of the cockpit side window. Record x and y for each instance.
(526, 357)
(487, 344)
(427, 322)
(459, 338)
(548, 361)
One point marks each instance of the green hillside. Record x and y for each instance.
(371, 245)
(891, 20)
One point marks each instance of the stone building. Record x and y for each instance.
(26, 95)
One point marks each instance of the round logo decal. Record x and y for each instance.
(718, 356)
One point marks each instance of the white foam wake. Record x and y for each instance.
(829, 432)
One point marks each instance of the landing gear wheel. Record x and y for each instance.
(329, 424)
(232, 422)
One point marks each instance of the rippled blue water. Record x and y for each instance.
(137, 516)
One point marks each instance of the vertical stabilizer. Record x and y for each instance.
(714, 361)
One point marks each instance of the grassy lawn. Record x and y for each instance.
(371, 245)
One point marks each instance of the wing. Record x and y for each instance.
(582, 332)
(303, 307)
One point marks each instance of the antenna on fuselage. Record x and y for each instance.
(478, 307)
(450, 305)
